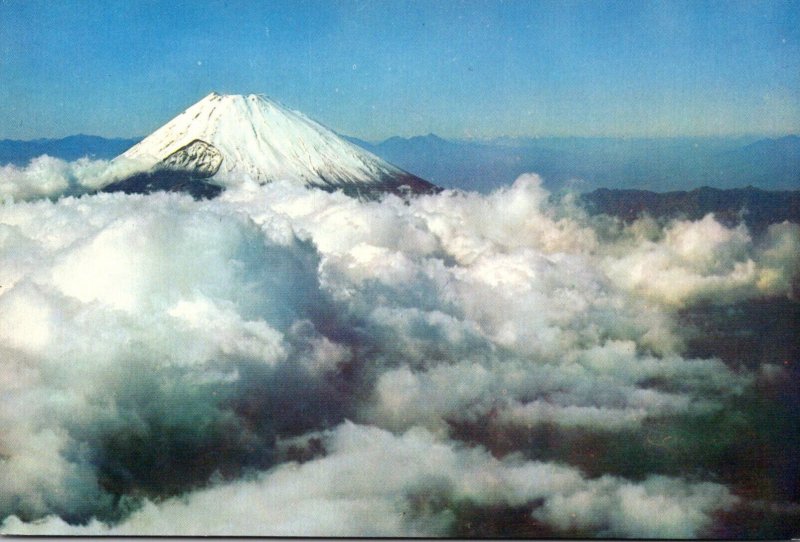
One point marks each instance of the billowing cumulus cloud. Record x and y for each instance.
(373, 483)
(704, 260)
(282, 360)
(46, 176)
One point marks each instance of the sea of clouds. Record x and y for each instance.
(287, 361)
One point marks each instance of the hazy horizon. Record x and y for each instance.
(492, 139)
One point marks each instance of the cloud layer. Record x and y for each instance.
(289, 361)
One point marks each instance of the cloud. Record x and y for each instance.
(704, 260)
(159, 352)
(374, 483)
(134, 328)
(48, 177)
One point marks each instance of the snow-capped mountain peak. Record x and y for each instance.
(232, 138)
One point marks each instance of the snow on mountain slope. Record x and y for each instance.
(232, 138)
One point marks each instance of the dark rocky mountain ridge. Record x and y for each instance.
(757, 208)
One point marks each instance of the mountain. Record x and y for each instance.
(224, 140)
(587, 163)
(580, 163)
(68, 148)
(773, 161)
(466, 165)
(755, 207)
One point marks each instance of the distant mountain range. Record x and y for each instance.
(588, 163)
(69, 148)
(584, 164)
(755, 207)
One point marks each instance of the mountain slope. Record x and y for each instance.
(230, 139)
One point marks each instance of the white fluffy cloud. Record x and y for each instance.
(705, 260)
(46, 176)
(156, 350)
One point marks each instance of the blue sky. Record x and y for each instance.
(376, 69)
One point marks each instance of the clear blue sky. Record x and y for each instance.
(376, 69)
